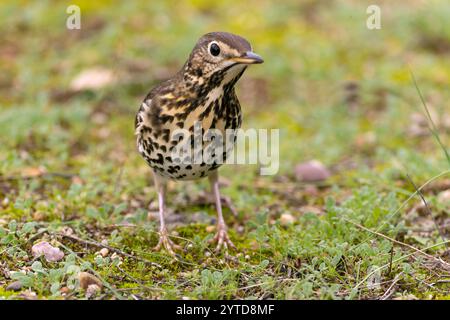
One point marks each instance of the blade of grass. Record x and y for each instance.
(403, 205)
(430, 214)
(432, 127)
(395, 261)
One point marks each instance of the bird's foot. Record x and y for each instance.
(164, 241)
(222, 239)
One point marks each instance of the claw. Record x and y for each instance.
(164, 241)
(222, 239)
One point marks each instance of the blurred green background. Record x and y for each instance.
(315, 52)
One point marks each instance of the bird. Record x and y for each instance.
(200, 97)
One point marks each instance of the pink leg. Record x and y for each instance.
(221, 236)
(164, 240)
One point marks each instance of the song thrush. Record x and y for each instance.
(200, 95)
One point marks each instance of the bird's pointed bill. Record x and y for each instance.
(248, 58)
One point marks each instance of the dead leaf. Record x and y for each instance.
(33, 171)
(93, 79)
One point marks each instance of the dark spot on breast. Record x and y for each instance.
(166, 135)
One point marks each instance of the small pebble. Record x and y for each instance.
(86, 279)
(287, 219)
(64, 290)
(68, 231)
(311, 171)
(444, 197)
(115, 255)
(92, 290)
(104, 252)
(38, 216)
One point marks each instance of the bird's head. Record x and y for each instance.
(222, 54)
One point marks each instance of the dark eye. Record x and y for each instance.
(214, 49)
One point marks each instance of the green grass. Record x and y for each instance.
(68, 160)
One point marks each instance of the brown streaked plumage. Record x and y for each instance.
(200, 96)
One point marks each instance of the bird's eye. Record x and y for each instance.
(214, 49)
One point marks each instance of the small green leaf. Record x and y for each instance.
(120, 208)
(54, 289)
(12, 225)
(28, 227)
(37, 266)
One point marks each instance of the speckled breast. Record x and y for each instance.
(191, 146)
